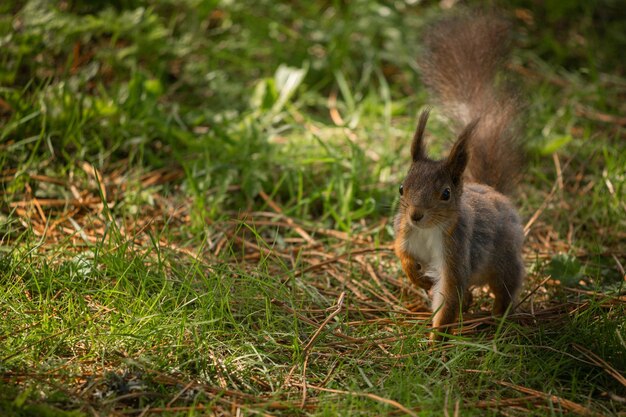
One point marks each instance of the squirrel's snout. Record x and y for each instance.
(416, 216)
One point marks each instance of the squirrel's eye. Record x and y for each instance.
(401, 189)
(445, 195)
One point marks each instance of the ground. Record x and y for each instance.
(196, 208)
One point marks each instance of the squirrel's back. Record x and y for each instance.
(461, 64)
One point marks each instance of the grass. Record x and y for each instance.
(196, 203)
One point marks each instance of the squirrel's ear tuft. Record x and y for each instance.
(418, 150)
(459, 154)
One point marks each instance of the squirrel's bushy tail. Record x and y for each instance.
(461, 64)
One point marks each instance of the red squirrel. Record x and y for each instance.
(455, 227)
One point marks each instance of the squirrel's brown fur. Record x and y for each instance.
(455, 228)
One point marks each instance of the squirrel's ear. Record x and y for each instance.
(459, 155)
(417, 146)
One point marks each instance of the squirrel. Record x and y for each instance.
(455, 227)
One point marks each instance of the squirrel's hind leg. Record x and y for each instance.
(506, 284)
(468, 299)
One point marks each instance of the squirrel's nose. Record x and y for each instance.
(416, 216)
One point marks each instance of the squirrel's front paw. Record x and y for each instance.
(419, 279)
(415, 271)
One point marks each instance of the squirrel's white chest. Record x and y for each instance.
(426, 245)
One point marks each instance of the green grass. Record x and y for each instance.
(167, 282)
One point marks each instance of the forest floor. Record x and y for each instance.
(196, 205)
